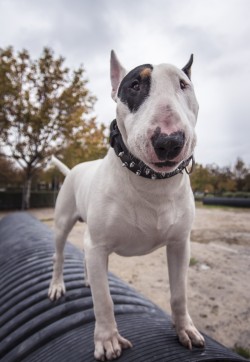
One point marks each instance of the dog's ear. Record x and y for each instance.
(117, 73)
(187, 68)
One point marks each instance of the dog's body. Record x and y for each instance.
(129, 214)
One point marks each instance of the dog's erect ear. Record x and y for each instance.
(117, 73)
(187, 68)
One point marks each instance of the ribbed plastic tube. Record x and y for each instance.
(34, 329)
(227, 201)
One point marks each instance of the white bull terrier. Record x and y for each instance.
(137, 208)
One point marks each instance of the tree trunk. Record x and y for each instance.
(26, 193)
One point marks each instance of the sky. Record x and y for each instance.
(151, 31)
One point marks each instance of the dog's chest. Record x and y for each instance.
(133, 216)
(137, 228)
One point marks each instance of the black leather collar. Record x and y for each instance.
(134, 164)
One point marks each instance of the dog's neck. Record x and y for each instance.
(137, 166)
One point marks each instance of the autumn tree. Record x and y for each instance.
(221, 178)
(92, 146)
(8, 172)
(240, 172)
(246, 186)
(43, 107)
(200, 179)
(212, 179)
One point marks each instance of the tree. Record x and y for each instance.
(8, 171)
(42, 107)
(212, 179)
(93, 146)
(240, 172)
(221, 179)
(200, 179)
(246, 186)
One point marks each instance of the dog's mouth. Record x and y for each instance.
(165, 164)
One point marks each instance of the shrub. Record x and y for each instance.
(12, 200)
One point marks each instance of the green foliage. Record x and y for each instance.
(244, 352)
(228, 194)
(215, 180)
(9, 174)
(193, 261)
(93, 146)
(240, 194)
(240, 172)
(42, 107)
(200, 179)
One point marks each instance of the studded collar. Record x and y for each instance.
(134, 164)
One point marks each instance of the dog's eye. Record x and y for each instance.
(183, 85)
(135, 85)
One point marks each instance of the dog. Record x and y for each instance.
(138, 198)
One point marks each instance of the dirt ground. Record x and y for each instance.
(219, 274)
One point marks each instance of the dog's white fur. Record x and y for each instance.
(131, 215)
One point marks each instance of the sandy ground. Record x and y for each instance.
(219, 277)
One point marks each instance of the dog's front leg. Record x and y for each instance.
(108, 342)
(178, 254)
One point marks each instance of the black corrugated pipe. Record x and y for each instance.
(227, 201)
(34, 329)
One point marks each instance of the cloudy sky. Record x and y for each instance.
(151, 31)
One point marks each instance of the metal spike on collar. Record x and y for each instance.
(132, 164)
(121, 154)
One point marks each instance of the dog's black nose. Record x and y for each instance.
(166, 146)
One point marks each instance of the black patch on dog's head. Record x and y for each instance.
(135, 87)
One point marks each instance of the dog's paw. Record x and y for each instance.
(189, 335)
(56, 289)
(109, 345)
(86, 283)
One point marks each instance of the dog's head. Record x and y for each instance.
(156, 112)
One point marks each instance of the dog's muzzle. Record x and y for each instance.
(137, 166)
